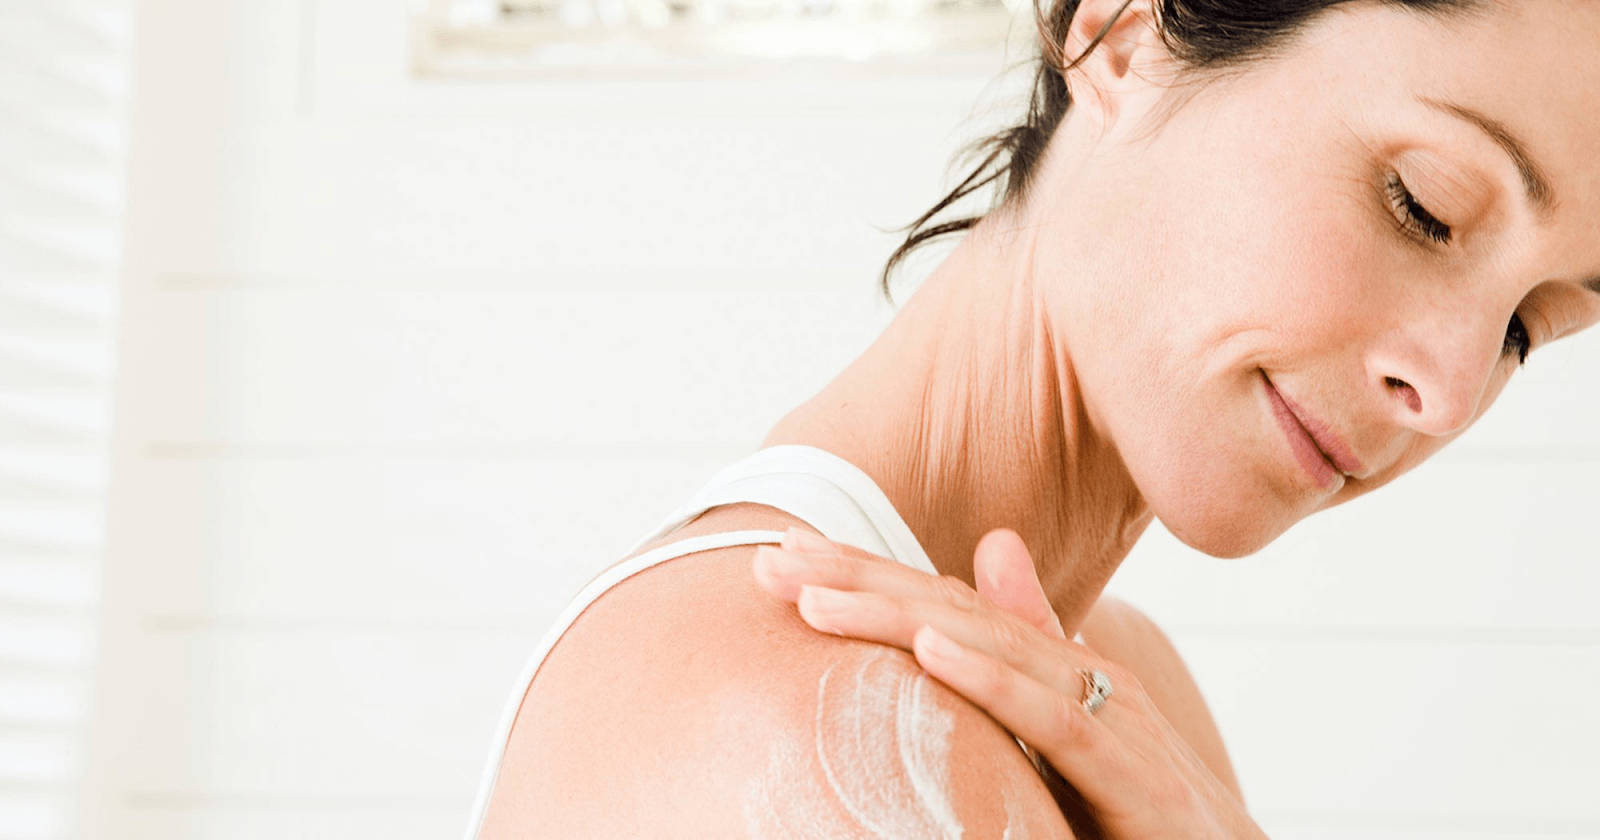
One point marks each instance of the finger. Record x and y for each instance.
(783, 571)
(884, 619)
(1085, 751)
(1006, 575)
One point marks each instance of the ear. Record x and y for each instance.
(1129, 61)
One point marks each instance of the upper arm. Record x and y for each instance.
(1126, 636)
(693, 704)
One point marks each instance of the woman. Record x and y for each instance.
(1272, 256)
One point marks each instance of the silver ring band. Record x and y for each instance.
(1096, 689)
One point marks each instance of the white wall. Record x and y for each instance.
(404, 363)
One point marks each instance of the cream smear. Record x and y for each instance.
(881, 746)
(1016, 822)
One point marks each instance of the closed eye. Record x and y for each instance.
(1420, 223)
(1416, 218)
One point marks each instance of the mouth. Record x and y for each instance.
(1319, 449)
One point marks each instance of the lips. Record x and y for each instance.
(1319, 449)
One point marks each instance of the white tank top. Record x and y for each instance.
(825, 491)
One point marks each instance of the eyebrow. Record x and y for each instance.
(1534, 182)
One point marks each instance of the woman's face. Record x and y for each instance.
(1257, 264)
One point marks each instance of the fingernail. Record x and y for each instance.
(825, 599)
(799, 539)
(780, 562)
(940, 646)
(991, 576)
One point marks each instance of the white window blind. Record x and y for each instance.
(63, 73)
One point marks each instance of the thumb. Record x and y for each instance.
(1005, 576)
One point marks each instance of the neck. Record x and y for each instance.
(966, 412)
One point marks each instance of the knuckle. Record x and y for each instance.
(1011, 644)
(837, 568)
(1000, 688)
(1128, 691)
(990, 685)
(849, 557)
(1123, 681)
(842, 569)
(956, 592)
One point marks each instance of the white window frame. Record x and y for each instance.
(644, 39)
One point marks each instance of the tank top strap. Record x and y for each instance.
(816, 486)
(585, 597)
(626, 569)
(620, 573)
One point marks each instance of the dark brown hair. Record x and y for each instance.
(1206, 35)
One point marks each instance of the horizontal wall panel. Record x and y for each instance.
(557, 362)
(309, 715)
(1336, 826)
(1458, 545)
(474, 540)
(208, 819)
(1412, 730)
(258, 168)
(552, 363)
(402, 822)
(1405, 729)
(724, 192)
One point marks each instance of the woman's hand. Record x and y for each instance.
(1002, 648)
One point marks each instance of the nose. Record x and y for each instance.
(1434, 371)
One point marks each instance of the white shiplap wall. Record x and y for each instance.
(404, 363)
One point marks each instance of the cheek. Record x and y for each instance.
(1326, 283)
(1290, 268)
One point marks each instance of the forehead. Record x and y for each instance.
(1533, 66)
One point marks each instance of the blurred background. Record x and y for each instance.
(341, 341)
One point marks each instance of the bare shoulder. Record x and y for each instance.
(688, 702)
(1123, 634)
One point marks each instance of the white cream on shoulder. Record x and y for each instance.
(875, 765)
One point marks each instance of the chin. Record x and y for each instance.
(1224, 528)
(1227, 544)
(1216, 501)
